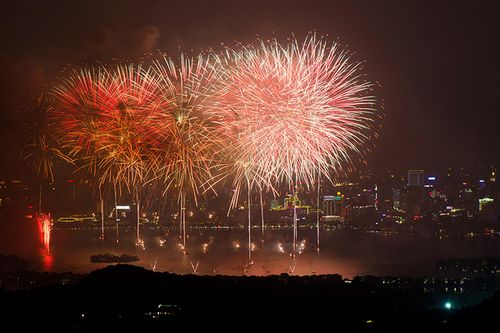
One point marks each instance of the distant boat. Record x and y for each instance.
(111, 258)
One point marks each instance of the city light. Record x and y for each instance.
(289, 164)
(140, 244)
(280, 247)
(44, 224)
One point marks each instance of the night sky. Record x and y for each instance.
(436, 62)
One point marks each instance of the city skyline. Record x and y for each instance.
(213, 163)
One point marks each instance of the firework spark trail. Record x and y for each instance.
(293, 109)
(44, 230)
(188, 147)
(263, 115)
(105, 116)
(77, 114)
(292, 112)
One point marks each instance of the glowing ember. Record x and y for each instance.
(44, 229)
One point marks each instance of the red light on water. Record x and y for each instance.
(44, 230)
(47, 262)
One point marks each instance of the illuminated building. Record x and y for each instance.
(435, 202)
(362, 203)
(333, 207)
(289, 201)
(415, 178)
(413, 201)
(396, 199)
(487, 209)
(484, 203)
(430, 182)
(467, 200)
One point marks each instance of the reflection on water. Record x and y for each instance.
(44, 231)
(47, 262)
(225, 251)
(44, 225)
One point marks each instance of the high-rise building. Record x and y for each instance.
(412, 201)
(485, 204)
(396, 199)
(487, 208)
(333, 205)
(328, 205)
(415, 178)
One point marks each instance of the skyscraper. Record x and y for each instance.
(333, 205)
(396, 199)
(416, 178)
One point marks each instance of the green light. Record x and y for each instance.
(448, 305)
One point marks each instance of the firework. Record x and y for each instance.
(44, 225)
(40, 148)
(292, 112)
(262, 115)
(106, 118)
(188, 148)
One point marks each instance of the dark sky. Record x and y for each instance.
(436, 61)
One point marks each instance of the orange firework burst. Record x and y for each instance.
(188, 149)
(106, 118)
